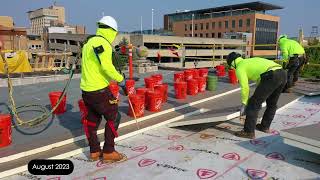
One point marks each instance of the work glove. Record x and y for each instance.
(122, 84)
(243, 110)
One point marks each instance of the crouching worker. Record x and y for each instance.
(97, 72)
(294, 55)
(271, 80)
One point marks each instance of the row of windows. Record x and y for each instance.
(35, 46)
(212, 35)
(219, 25)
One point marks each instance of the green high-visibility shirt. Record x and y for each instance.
(96, 76)
(289, 48)
(250, 70)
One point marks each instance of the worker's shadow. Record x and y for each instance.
(71, 120)
(272, 147)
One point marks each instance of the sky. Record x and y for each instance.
(296, 13)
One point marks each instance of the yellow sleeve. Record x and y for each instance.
(244, 84)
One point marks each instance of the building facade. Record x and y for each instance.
(13, 38)
(215, 22)
(46, 17)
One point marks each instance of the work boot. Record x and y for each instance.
(287, 90)
(114, 157)
(259, 127)
(244, 134)
(95, 156)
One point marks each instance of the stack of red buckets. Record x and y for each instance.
(190, 82)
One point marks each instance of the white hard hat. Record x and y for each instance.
(109, 21)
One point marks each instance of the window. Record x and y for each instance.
(190, 35)
(213, 35)
(240, 23)
(266, 33)
(201, 26)
(185, 27)
(196, 27)
(219, 35)
(201, 35)
(248, 22)
(213, 25)
(190, 27)
(220, 24)
(207, 26)
(233, 24)
(195, 35)
(186, 35)
(207, 34)
(226, 24)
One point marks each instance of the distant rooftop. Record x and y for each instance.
(256, 6)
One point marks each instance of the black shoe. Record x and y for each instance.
(259, 127)
(287, 90)
(244, 134)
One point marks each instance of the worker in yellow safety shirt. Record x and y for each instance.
(97, 72)
(294, 56)
(271, 79)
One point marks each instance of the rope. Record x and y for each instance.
(15, 110)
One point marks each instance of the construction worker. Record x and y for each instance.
(97, 72)
(271, 79)
(293, 52)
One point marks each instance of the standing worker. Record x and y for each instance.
(271, 79)
(293, 52)
(97, 72)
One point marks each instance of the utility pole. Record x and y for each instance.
(152, 20)
(141, 25)
(192, 23)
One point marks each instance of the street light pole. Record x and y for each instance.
(192, 23)
(141, 25)
(152, 21)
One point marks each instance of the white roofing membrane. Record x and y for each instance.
(213, 153)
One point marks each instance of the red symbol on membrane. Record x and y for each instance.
(275, 132)
(54, 178)
(275, 155)
(100, 178)
(173, 137)
(140, 149)
(257, 142)
(146, 162)
(299, 116)
(101, 164)
(231, 156)
(176, 148)
(256, 174)
(206, 173)
(289, 123)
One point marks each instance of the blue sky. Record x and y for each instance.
(297, 13)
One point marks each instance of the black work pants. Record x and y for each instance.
(269, 90)
(293, 71)
(100, 103)
(296, 73)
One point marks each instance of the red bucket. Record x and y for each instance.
(5, 130)
(137, 102)
(192, 87)
(202, 83)
(180, 89)
(83, 109)
(163, 89)
(188, 74)
(130, 86)
(149, 82)
(114, 88)
(54, 97)
(158, 78)
(232, 76)
(154, 101)
(142, 92)
(220, 71)
(195, 73)
(178, 76)
(203, 72)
